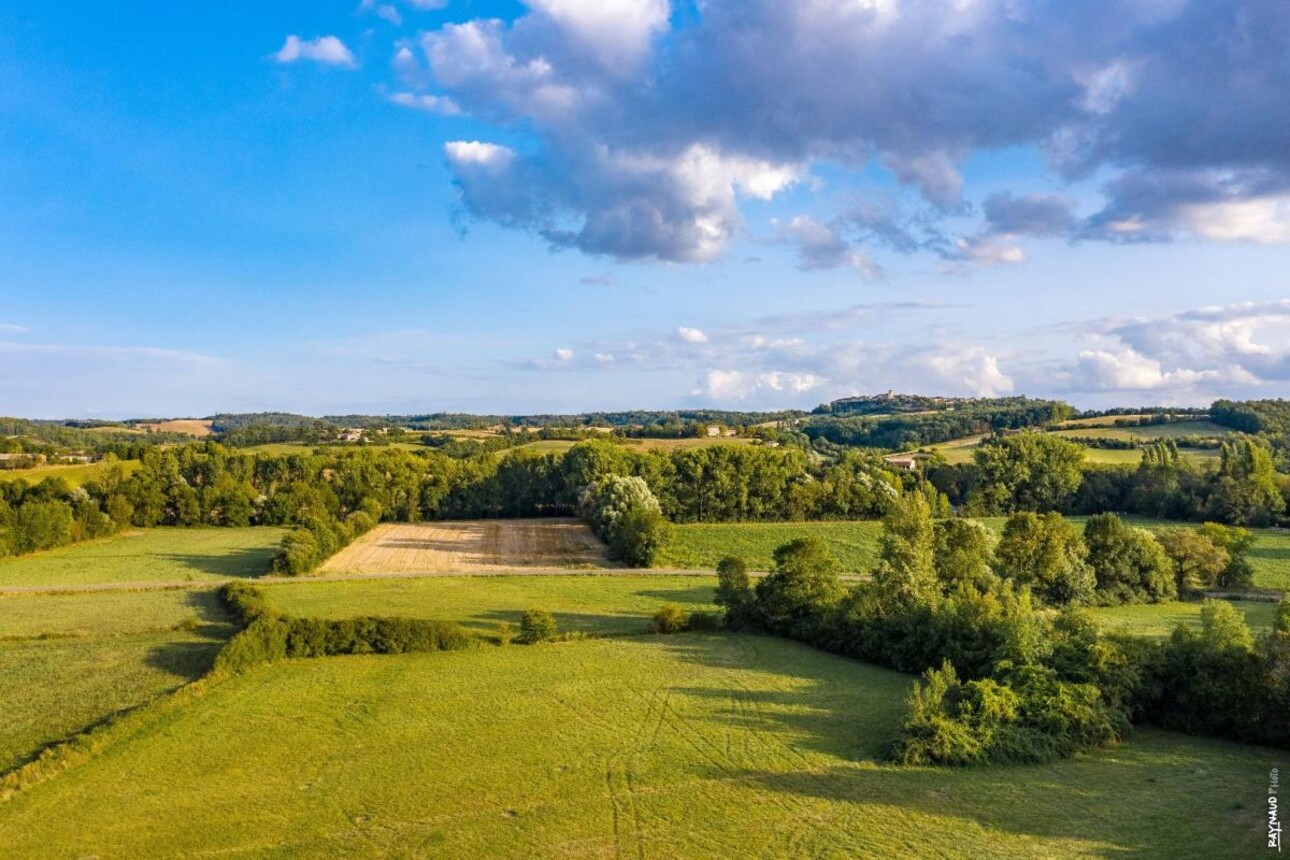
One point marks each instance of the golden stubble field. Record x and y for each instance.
(472, 546)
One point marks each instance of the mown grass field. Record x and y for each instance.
(614, 604)
(69, 661)
(53, 689)
(149, 555)
(1158, 620)
(699, 546)
(689, 746)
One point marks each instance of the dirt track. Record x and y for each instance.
(471, 546)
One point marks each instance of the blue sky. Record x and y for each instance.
(563, 206)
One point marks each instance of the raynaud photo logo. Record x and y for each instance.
(1274, 814)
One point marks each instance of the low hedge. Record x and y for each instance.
(269, 635)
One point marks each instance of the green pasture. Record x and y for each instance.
(149, 556)
(52, 689)
(699, 546)
(74, 474)
(599, 605)
(1158, 620)
(678, 747)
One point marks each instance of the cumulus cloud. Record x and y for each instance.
(328, 50)
(427, 102)
(691, 335)
(563, 354)
(734, 386)
(1182, 104)
(1201, 352)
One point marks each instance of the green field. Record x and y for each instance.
(149, 555)
(105, 613)
(71, 660)
(75, 474)
(700, 546)
(1158, 620)
(691, 746)
(960, 451)
(599, 605)
(1149, 432)
(55, 688)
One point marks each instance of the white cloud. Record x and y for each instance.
(563, 354)
(425, 102)
(616, 33)
(733, 386)
(961, 370)
(691, 335)
(476, 153)
(428, 5)
(13, 328)
(384, 11)
(1126, 370)
(1262, 221)
(325, 49)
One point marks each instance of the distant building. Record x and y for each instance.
(906, 462)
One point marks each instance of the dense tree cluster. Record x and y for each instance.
(1006, 682)
(966, 418)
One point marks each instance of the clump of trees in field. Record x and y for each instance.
(270, 635)
(1006, 682)
(626, 516)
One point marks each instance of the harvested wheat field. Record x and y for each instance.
(471, 546)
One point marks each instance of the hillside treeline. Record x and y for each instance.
(967, 418)
(209, 484)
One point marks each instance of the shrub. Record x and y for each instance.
(1023, 715)
(505, 633)
(264, 641)
(245, 602)
(670, 618)
(537, 625)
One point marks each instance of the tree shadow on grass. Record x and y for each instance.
(700, 595)
(592, 624)
(1160, 794)
(248, 563)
